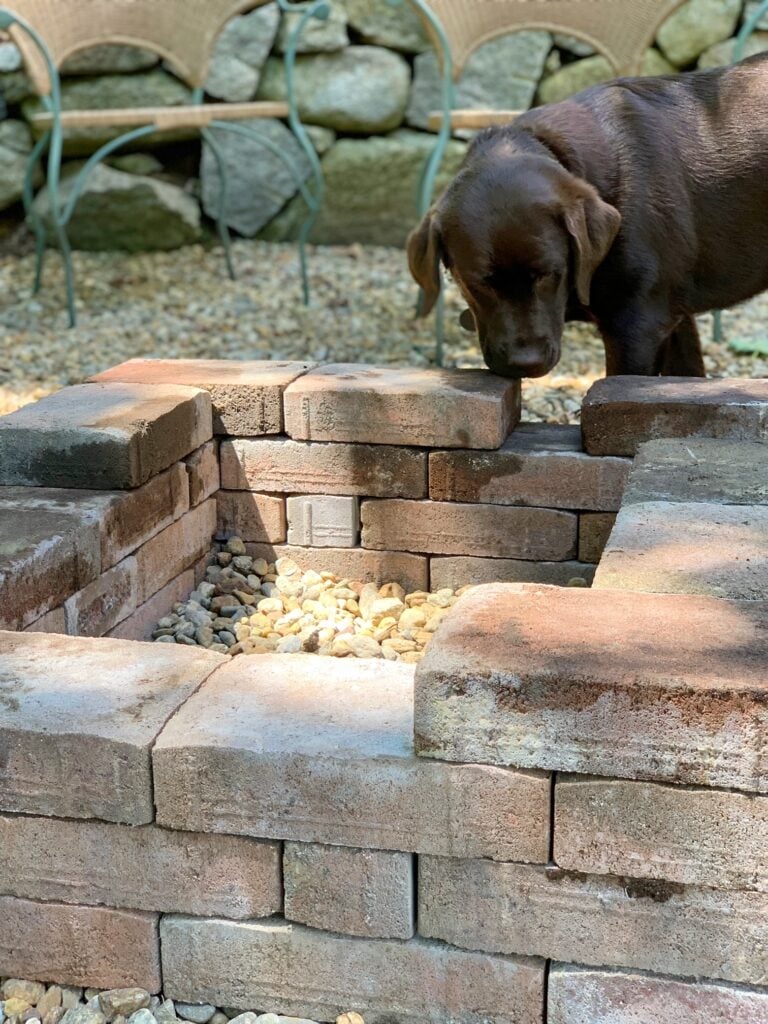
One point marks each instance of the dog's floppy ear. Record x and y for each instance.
(594, 225)
(424, 261)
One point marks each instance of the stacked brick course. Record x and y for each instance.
(562, 818)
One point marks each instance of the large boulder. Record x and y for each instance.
(722, 53)
(696, 26)
(259, 182)
(370, 190)
(360, 90)
(15, 147)
(154, 88)
(319, 36)
(381, 23)
(582, 74)
(15, 87)
(240, 53)
(126, 211)
(109, 60)
(501, 74)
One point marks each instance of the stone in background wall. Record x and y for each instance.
(367, 80)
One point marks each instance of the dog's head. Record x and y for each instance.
(520, 235)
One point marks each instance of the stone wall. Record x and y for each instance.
(366, 81)
(560, 817)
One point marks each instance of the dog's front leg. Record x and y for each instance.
(683, 356)
(636, 338)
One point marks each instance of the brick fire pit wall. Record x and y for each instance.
(562, 818)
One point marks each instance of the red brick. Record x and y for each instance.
(648, 686)
(698, 548)
(203, 472)
(145, 868)
(531, 910)
(246, 395)
(621, 413)
(95, 610)
(331, 757)
(582, 996)
(350, 891)
(711, 837)
(277, 966)
(457, 571)
(141, 623)
(594, 531)
(84, 946)
(303, 467)
(258, 518)
(538, 465)
(444, 528)
(78, 718)
(410, 571)
(381, 405)
(102, 435)
(177, 548)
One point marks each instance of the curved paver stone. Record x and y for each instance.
(246, 396)
(102, 435)
(277, 747)
(379, 405)
(78, 718)
(316, 974)
(620, 413)
(583, 996)
(603, 682)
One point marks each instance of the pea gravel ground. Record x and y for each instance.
(180, 304)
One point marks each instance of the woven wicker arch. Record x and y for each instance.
(620, 29)
(183, 32)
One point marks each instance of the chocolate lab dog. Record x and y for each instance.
(635, 205)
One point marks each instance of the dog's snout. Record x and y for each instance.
(531, 361)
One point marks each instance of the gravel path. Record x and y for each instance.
(180, 304)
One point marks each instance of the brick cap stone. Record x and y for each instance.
(619, 413)
(382, 405)
(102, 435)
(78, 717)
(597, 681)
(721, 472)
(243, 392)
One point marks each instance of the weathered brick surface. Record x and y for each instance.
(381, 405)
(246, 396)
(696, 548)
(457, 571)
(295, 970)
(272, 747)
(410, 571)
(321, 520)
(258, 518)
(710, 837)
(78, 718)
(538, 465)
(303, 467)
(175, 549)
(594, 531)
(719, 472)
(620, 413)
(582, 996)
(46, 555)
(203, 472)
(90, 946)
(584, 919)
(146, 868)
(444, 528)
(98, 608)
(351, 891)
(102, 435)
(140, 624)
(52, 622)
(648, 686)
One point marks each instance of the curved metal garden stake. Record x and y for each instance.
(321, 10)
(28, 198)
(431, 169)
(52, 103)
